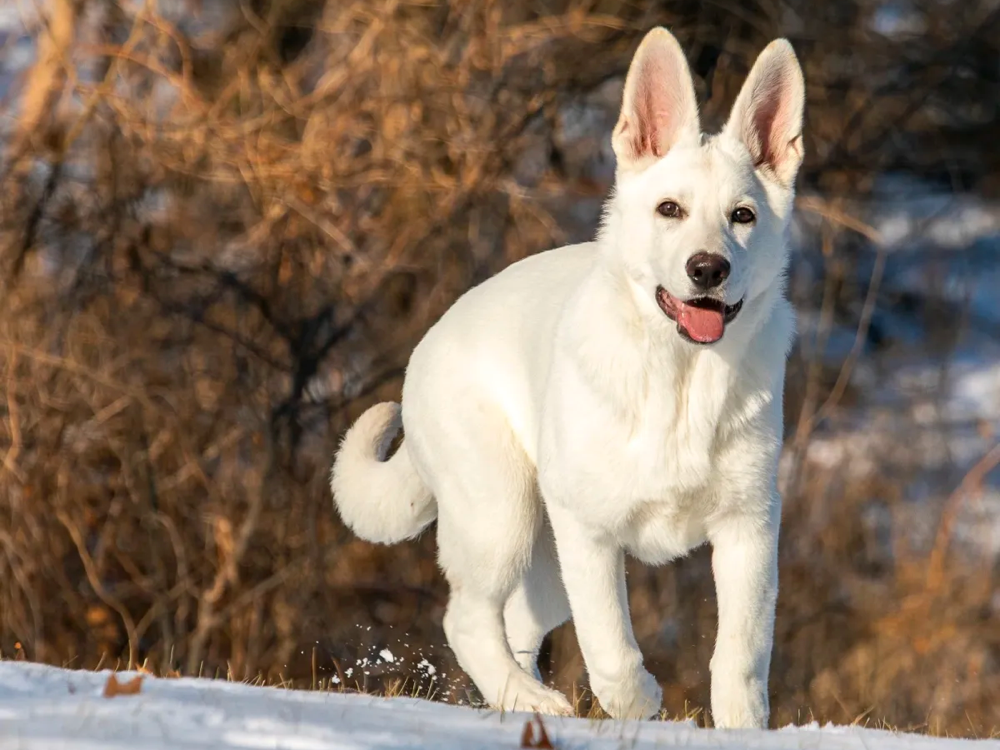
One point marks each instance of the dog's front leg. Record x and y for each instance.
(745, 565)
(593, 571)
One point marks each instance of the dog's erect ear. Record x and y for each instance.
(658, 107)
(767, 116)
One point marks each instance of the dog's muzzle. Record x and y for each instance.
(701, 320)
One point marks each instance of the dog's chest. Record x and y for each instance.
(671, 437)
(657, 532)
(654, 455)
(651, 488)
(662, 488)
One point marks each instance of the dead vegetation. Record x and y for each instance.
(223, 227)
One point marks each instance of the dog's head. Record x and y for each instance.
(699, 221)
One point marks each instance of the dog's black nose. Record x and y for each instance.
(707, 270)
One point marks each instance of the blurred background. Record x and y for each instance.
(224, 224)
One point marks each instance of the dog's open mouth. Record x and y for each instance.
(702, 320)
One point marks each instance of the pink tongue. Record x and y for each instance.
(704, 326)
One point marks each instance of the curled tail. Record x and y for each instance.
(380, 500)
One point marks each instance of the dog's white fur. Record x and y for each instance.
(555, 418)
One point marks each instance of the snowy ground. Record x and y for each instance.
(51, 708)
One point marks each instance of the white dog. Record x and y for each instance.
(623, 395)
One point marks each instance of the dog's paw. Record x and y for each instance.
(740, 705)
(636, 698)
(525, 694)
(552, 704)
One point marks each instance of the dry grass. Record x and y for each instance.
(215, 255)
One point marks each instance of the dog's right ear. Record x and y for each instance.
(659, 106)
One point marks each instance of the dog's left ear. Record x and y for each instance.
(767, 116)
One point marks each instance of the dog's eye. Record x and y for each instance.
(670, 209)
(742, 215)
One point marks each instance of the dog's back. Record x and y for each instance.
(495, 345)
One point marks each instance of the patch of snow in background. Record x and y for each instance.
(896, 19)
(926, 413)
(17, 53)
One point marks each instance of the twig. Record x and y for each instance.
(971, 484)
(102, 593)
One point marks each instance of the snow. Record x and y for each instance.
(898, 19)
(52, 708)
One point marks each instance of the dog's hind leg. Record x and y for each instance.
(488, 518)
(474, 621)
(538, 604)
